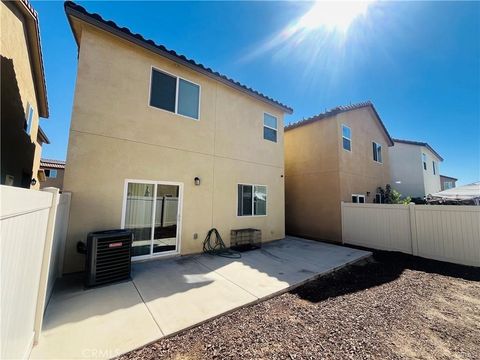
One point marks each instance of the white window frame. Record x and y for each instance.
(358, 196)
(377, 145)
(253, 200)
(50, 173)
(29, 119)
(344, 137)
(178, 244)
(268, 127)
(177, 77)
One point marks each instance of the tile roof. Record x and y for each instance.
(419, 143)
(338, 110)
(448, 177)
(75, 10)
(50, 163)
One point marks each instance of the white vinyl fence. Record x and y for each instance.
(441, 232)
(27, 227)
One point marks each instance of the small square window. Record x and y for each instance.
(358, 199)
(252, 200)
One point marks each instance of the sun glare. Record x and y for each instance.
(333, 15)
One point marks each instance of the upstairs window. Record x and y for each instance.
(377, 152)
(174, 94)
(424, 160)
(434, 167)
(252, 200)
(346, 137)
(51, 173)
(28, 119)
(358, 199)
(269, 127)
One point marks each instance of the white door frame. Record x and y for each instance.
(179, 216)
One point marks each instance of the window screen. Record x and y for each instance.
(346, 137)
(269, 127)
(163, 91)
(377, 152)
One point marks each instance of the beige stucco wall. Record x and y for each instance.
(13, 45)
(312, 185)
(115, 135)
(359, 173)
(319, 174)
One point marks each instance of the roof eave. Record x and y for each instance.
(112, 30)
(33, 35)
(43, 136)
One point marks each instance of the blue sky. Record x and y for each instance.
(418, 62)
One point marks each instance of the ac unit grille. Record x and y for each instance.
(108, 256)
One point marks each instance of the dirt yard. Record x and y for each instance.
(394, 307)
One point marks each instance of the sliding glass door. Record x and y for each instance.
(152, 211)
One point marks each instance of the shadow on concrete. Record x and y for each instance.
(383, 267)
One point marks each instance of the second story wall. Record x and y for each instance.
(359, 171)
(431, 175)
(112, 99)
(406, 169)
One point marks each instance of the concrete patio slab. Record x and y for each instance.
(96, 323)
(182, 293)
(170, 295)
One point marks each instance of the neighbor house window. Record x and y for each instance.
(174, 94)
(28, 119)
(377, 152)
(448, 184)
(424, 160)
(346, 137)
(252, 200)
(51, 173)
(378, 198)
(269, 127)
(358, 199)
(434, 167)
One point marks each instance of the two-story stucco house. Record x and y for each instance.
(23, 95)
(415, 168)
(339, 155)
(166, 147)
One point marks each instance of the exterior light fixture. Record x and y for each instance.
(197, 180)
(368, 193)
(33, 182)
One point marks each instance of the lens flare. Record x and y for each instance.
(337, 15)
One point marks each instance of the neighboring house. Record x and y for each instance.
(447, 182)
(23, 95)
(415, 168)
(166, 147)
(53, 171)
(340, 155)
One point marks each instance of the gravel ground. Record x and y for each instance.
(394, 307)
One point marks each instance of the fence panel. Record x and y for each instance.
(23, 220)
(377, 226)
(449, 233)
(440, 232)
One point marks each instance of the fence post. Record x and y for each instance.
(342, 220)
(413, 229)
(47, 252)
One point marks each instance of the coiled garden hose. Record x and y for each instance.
(217, 246)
